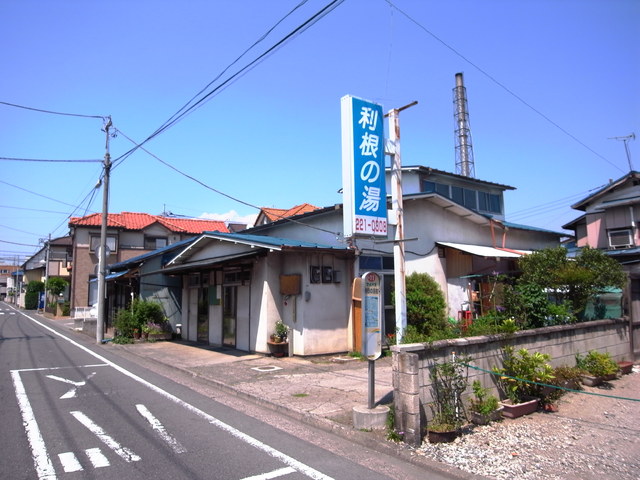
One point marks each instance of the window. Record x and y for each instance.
(620, 238)
(433, 187)
(153, 243)
(112, 243)
(488, 202)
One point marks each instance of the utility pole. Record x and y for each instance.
(46, 274)
(393, 149)
(102, 254)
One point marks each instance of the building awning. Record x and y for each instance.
(483, 251)
(111, 276)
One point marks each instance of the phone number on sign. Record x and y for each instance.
(368, 225)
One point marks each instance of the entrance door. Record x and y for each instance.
(203, 314)
(229, 315)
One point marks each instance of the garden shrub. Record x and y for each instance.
(426, 306)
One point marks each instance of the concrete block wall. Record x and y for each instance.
(411, 363)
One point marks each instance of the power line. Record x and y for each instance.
(11, 159)
(19, 244)
(51, 111)
(185, 110)
(501, 85)
(230, 197)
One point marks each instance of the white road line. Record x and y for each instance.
(69, 462)
(160, 430)
(41, 460)
(274, 474)
(97, 458)
(74, 390)
(41, 369)
(286, 459)
(123, 452)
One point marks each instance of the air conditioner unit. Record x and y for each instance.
(620, 238)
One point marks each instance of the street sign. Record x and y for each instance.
(371, 316)
(363, 176)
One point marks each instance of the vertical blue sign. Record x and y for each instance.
(365, 197)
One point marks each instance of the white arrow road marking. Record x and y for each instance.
(69, 462)
(97, 458)
(74, 390)
(123, 452)
(281, 472)
(160, 430)
(272, 452)
(41, 460)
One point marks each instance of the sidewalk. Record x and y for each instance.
(324, 388)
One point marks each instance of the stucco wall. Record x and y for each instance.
(412, 388)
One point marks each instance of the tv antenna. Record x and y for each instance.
(625, 140)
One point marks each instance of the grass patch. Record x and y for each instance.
(300, 395)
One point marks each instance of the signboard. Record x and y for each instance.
(363, 178)
(371, 315)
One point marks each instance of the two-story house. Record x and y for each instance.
(454, 230)
(54, 259)
(129, 234)
(609, 223)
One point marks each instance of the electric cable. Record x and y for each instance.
(51, 111)
(185, 111)
(219, 192)
(501, 85)
(11, 159)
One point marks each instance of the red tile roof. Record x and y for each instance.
(275, 214)
(140, 221)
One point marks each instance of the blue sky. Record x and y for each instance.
(548, 83)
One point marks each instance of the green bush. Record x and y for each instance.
(32, 296)
(426, 306)
(140, 315)
(597, 364)
(125, 323)
(522, 372)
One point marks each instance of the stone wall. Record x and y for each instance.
(411, 384)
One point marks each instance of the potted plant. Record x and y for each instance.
(565, 378)
(625, 367)
(281, 331)
(597, 366)
(448, 383)
(520, 379)
(484, 407)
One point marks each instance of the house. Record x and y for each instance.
(6, 282)
(142, 277)
(268, 215)
(238, 285)
(54, 259)
(129, 234)
(609, 224)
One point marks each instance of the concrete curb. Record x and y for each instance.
(324, 424)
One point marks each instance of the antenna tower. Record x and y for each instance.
(626, 139)
(464, 149)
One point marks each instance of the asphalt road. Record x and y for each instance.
(71, 409)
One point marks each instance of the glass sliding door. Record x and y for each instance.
(229, 315)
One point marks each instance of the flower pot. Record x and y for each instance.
(625, 367)
(481, 419)
(610, 376)
(591, 381)
(516, 410)
(447, 436)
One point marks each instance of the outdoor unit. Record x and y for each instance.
(620, 238)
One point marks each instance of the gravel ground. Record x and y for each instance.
(590, 437)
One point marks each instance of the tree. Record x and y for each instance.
(426, 306)
(572, 280)
(32, 295)
(56, 285)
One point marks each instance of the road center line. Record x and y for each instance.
(286, 459)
